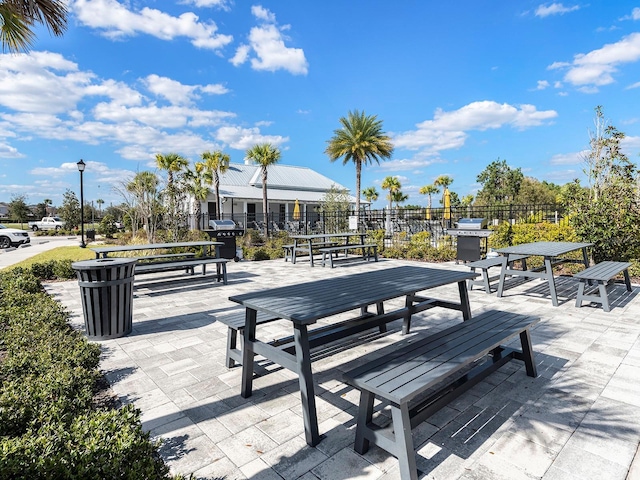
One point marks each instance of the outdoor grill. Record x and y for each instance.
(469, 231)
(226, 231)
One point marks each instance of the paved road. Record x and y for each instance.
(38, 244)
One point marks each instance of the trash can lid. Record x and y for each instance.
(102, 263)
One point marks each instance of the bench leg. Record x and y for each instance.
(604, 298)
(223, 266)
(404, 442)
(380, 309)
(627, 280)
(527, 353)
(365, 413)
(232, 342)
(485, 278)
(580, 295)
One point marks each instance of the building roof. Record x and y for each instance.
(284, 183)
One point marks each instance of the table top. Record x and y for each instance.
(545, 249)
(304, 303)
(150, 246)
(325, 235)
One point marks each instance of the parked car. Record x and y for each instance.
(47, 223)
(13, 237)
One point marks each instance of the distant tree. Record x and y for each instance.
(100, 202)
(500, 183)
(144, 199)
(370, 193)
(174, 193)
(18, 209)
(393, 185)
(398, 197)
(197, 187)
(216, 164)
(429, 190)
(18, 18)
(534, 192)
(335, 206)
(467, 200)
(360, 140)
(47, 203)
(264, 155)
(607, 213)
(40, 210)
(443, 181)
(70, 210)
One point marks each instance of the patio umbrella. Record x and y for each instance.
(296, 210)
(446, 202)
(427, 213)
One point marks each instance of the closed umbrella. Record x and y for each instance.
(296, 210)
(446, 202)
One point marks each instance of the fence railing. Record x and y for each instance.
(393, 221)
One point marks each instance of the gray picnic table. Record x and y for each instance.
(306, 303)
(552, 253)
(105, 251)
(317, 240)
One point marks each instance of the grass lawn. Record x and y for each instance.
(61, 253)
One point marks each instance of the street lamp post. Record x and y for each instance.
(81, 167)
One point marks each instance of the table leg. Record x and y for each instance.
(247, 352)
(311, 252)
(548, 269)
(305, 377)
(293, 253)
(503, 274)
(464, 300)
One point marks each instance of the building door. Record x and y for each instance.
(251, 212)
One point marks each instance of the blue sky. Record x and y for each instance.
(456, 84)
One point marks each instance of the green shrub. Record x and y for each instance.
(260, 254)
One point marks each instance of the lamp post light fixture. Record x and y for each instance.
(81, 167)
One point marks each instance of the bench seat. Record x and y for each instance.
(441, 366)
(236, 321)
(601, 273)
(165, 255)
(369, 250)
(489, 262)
(187, 265)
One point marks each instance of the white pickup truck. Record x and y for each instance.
(47, 223)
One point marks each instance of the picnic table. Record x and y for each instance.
(319, 240)
(172, 261)
(306, 303)
(552, 253)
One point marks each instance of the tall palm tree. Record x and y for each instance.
(18, 18)
(264, 155)
(172, 163)
(393, 185)
(216, 163)
(429, 190)
(197, 181)
(100, 202)
(443, 181)
(47, 203)
(360, 140)
(398, 197)
(370, 193)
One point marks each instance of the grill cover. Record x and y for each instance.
(472, 223)
(218, 225)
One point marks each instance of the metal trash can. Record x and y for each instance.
(91, 235)
(106, 289)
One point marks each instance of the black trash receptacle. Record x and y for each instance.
(106, 289)
(91, 235)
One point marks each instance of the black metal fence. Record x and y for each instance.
(393, 221)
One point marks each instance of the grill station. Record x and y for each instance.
(469, 231)
(226, 231)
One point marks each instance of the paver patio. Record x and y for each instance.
(579, 419)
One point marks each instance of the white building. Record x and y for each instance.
(241, 192)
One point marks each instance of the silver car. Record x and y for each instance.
(13, 237)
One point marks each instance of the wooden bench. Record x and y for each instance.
(187, 265)
(441, 366)
(369, 250)
(489, 262)
(236, 322)
(601, 273)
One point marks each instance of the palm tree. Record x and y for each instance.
(197, 187)
(18, 18)
(443, 181)
(172, 163)
(370, 193)
(393, 185)
(398, 197)
(144, 188)
(47, 203)
(100, 202)
(264, 155)
(360, 140)
(216, 164)
(429, 190)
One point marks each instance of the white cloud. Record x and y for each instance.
(116, 21)
(448, 130)
(596, 68)
(572, 158)
(7, 151)
(554, 9)
(267, 49)
(245, 138)
(542, 85)
(633, 85)
(635, 15)
(221, 4)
